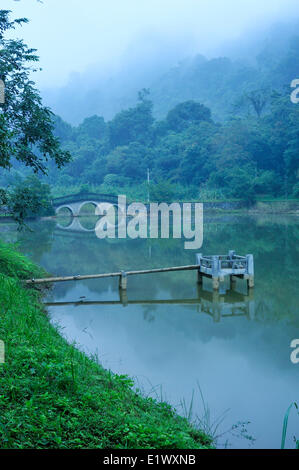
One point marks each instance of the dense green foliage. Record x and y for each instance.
(26, 126)
(54, 396)
(250, 152)
(226, 132)
(243, 158)
(28, 198)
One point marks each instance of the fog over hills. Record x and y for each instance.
(214, 116)
(174, 72)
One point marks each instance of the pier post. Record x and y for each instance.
(199, 274)
(215, 272)
(123, 297)
(233, 281)
(123, 278)
(216, 308)
(250, 305)
(250, 271)
(251, 310)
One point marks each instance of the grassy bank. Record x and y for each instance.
(54, 396)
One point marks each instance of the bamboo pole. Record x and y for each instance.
(116, 274)
(70, 278)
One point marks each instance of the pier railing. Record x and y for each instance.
(219, 266)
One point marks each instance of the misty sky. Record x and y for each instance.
(72, 35)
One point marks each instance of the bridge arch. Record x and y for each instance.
(85, 203)
(65, 206)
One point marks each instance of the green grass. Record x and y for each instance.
(54, 396)
(285, 426)
(15, 265)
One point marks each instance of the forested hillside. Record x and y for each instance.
(189, 152)
(240, 141)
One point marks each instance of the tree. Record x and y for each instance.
(255, 100)
(132, 125)
(162, 191)
(26, 126)
(187, 113)
(28, 198)
(258, 100)
(237, 182)
(94, 127)
(130, 161)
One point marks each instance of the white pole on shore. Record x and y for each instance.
(148, 185)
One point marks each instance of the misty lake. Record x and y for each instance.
(173, 337)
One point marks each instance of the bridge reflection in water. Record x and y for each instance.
(214, 304)
(75, 225)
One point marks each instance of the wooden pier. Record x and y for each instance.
(214, 267)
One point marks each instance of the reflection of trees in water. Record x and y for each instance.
(262, 310)
(35, 239)
(148, 313)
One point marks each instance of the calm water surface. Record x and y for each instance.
(173, 337)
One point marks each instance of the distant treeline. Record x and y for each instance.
(188, 154)
(253, 153)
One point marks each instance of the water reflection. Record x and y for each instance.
(212, 303)
(84, 224)
(169, 331)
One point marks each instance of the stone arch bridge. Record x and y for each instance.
(75, 202)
